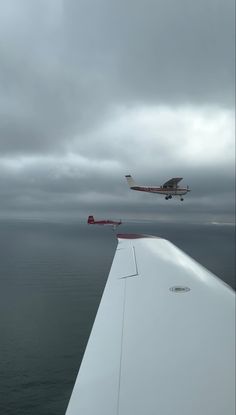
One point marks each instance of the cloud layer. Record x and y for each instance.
(91, 91)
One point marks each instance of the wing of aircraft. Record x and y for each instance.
(172, 182)
(163, 341)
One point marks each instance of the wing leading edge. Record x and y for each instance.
(163, 340)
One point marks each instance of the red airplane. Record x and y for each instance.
(113, 223)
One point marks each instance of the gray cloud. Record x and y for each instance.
(92, 90)
(64, 65)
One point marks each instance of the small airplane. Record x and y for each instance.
(113, 223)
(169, 188)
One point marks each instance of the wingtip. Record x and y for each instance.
(134, 236)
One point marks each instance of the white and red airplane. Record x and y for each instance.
(92, 221)
(169, 188)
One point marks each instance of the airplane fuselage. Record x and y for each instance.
(162, 191)
(105, 222)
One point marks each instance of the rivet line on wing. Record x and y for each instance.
(121, 350)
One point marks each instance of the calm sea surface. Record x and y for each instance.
(52, 276)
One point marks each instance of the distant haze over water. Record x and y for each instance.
(52, 276)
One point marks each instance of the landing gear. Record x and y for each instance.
(168, 197)
(181, 199)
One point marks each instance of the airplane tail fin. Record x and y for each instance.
(90, 219)
(130, 180)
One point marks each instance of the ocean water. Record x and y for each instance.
(52, 276)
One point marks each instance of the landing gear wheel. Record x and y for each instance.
(166, 197)
(170, 197)
(181, 199)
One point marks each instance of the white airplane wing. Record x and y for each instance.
(163, 341)
(172, 182)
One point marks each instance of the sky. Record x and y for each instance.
(92, 90)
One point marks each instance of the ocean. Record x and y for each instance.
(52, 275)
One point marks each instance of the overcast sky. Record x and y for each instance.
(91, 90)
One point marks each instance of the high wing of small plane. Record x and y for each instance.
(163, 341)
(172, 183)
(92, 221)
(169, 188)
